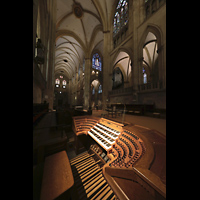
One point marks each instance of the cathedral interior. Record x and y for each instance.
(99, 99)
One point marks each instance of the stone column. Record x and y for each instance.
(88, 65)
(49, 91)
(142, 14)
(107, 69)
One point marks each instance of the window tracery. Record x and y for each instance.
(64, 82)
(100, 89)
(120, 17)
(57, 81)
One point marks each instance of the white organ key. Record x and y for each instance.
(113, 136)
(98, 139)
(102, 136)
(109, 129)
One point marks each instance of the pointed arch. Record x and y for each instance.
(123, 59)
(144, 41)
(122, 49)
(156, 31)
(120, 16)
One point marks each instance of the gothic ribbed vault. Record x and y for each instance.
(79, 31)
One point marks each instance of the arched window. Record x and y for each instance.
(57, 81)
(96, 62)
(120, 17)
(144, 76)
(64, 82)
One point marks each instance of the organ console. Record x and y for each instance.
(132, 157)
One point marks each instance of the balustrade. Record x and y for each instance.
(150, 86)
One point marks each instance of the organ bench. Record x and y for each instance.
(57, 178)
(133, 157)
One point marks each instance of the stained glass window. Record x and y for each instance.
(96, 62)
(114, 26)
(57, 81)
(93, 91)
(64, 82)
(144, 76)
(100, 89)
(121, 16)
(126, 13)
(118, 21)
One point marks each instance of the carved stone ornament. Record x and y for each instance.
(78, 11)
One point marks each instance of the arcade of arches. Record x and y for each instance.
(99, 52)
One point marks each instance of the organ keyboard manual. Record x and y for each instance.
(132, 166)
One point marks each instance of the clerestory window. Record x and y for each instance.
(121, 16)
(96, 62)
